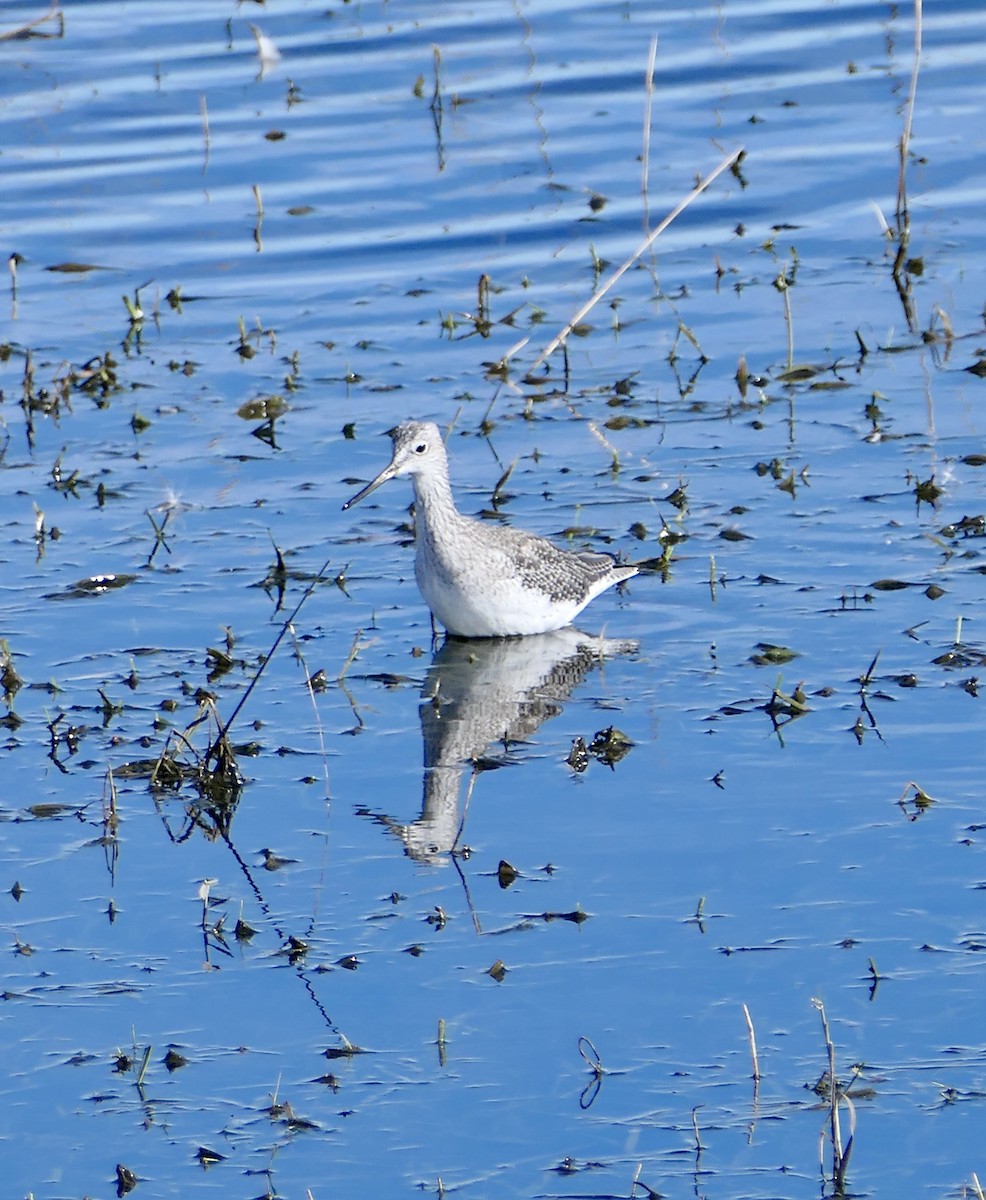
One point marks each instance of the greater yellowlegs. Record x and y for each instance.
(484, 580)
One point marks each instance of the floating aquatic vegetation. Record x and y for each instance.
(610, 745)
(93, 585)
(767, 654)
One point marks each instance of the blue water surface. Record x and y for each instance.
(325, 220)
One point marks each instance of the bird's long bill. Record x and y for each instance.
(385, 474)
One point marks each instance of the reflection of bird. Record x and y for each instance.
(482, 580)
(479, 693)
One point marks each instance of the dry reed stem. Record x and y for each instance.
(903, 215)
(351, 657)
(21, 30)
(648, 108)
(788, 324)
(695, 1129)
(618, 274)
(258, 227)
(833, 1086)
(840, 1151)
(204, 109)
(753, 1044)
(644, 246)
(224, 730)
(901, 275)
(111, 817)
(299, 655)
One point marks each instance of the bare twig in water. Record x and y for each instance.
(837, 1095)
(351, 657)
(699, 1147)
(644, 246)
(901, 272)
(903, 213)
(867, 677)
(753, 1044)
(590, 1056)
(561, 338)
(144, 1062)
(111, 816)
(258, 227)
(318, 719)
(639, 1183)
(783, 284)
(222, 736)
(438, 107)
(204, 108)
(648, 109)
(24, 30)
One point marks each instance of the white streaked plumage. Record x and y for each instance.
(482, 580)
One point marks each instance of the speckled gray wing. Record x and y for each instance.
(562, 575)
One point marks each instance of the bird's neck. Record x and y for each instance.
(433, 494)
(435, 514)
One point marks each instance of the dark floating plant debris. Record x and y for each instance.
(966, 527)
(891, 585)
(578, 756)
(126, 1180)
(76, 268)
(767, 654)
(610, 745)
(577, 916)
(506, 874)
(346, 1050)
(173, 1060)
(94, 585)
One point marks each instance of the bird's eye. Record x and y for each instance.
(421, 447)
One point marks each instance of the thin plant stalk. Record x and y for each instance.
(901, 276)
(23, 30)
(221, 738)
(644, 246)
(837, 1096)
(561, 338)
(903, 213)
(204, 108)
(318, 719)
(699, 1147)
(648, 110)
(753, 1044)
(258, 227)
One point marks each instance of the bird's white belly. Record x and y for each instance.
(494, 607)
